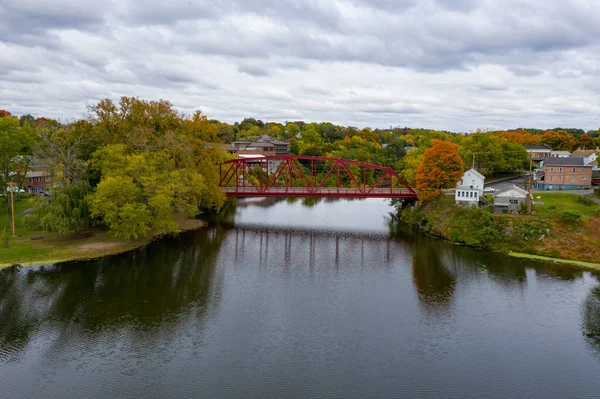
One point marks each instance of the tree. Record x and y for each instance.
(409, 165)
(559, 140)
(441, 168)
(15, 151)
(66, 211)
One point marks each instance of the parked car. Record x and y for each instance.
(489, 190)
(596, 181)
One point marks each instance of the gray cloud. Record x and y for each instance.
(454, 65)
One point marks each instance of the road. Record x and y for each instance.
(518, 181)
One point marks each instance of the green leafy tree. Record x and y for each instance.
(15, 152)
(66, 211)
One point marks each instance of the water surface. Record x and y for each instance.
(300, 299)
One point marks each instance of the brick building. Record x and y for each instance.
(569, 173)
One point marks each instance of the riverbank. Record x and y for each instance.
(563, 229)
(31, 248)
(588, 265)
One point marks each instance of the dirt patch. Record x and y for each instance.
(98, 246)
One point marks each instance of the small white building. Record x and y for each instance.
(470, 188)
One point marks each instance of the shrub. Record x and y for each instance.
(475, 227)
(586, 201)
(571, 216)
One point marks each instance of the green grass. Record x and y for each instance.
(556, 260)
(21, 204)
(554, 204)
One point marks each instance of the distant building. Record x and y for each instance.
(538, 153)
(37, 181)
(470, 188)
(590, 157)
(570, 173)
(560, 154)
(266, 146)
(510, 200)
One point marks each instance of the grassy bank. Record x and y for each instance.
(564, 227)
(554, 260)
(27, 248)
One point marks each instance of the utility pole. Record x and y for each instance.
(529, 185)
(473, 161)
(12, 206)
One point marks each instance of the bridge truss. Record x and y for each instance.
(307, 176)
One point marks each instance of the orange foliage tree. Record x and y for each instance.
(559, 140)
(442, 167)
(519, 137)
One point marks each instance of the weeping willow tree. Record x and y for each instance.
(65, 211)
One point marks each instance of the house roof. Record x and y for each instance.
(37, 173)
(567, 161)
(512, 187)
(583, 153)
(476, 173)
(539, 147)
(279, 142)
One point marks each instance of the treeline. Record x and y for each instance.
(403, 148)
(132, 166)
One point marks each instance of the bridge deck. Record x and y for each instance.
(322, 192)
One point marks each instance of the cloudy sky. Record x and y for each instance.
(448, 64)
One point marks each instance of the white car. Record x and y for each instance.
(489, 190)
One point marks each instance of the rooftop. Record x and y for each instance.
(538, 147)
(567, 161)
(502, 193)
(476, 173)
(583, 153)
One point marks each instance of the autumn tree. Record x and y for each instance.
(442, 167)
(559, 140)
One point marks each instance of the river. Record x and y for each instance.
(300, 299)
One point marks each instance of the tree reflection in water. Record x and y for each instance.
(435, 284)
(136, 291)
(590, 320)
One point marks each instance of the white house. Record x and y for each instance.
(470, 188)
(589, 157)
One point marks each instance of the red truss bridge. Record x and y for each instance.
(306, 176)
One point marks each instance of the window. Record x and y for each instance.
(551, 178)
(547, 170)
(551, 169)
(573, 180)
(559, 178)
(584, 170)
(560, 170)
(513, 202)
(476, 194)
(583, 177)
(574, 170)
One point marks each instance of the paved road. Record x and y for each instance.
(518, 181)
